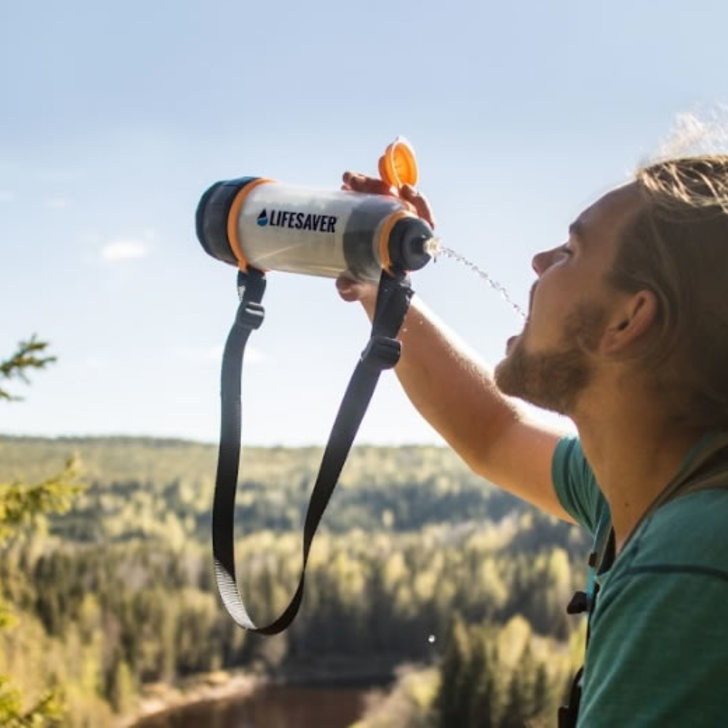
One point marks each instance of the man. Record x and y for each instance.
(627, 334)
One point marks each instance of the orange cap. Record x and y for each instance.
(398, 165)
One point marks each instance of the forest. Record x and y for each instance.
(422, 574)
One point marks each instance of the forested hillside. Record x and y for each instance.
(164, 488)
(118, 592)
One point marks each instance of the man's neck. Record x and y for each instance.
(634, 452)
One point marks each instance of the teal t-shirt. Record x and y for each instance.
(658, 649)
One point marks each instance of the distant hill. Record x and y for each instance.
(142, 487)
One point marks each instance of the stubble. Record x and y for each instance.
(554, 379)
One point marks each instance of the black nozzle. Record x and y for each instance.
(408, 242)
(212, 215)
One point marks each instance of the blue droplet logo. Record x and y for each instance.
(263, 218)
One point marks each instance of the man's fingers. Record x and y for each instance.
(351, 290)
(346, 288)
(408, 194)
(422, 207)
(362, 183)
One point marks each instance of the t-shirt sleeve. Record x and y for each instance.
(575, 484)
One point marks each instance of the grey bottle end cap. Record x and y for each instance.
(407, 244)
(212, 215)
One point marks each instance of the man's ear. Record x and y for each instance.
(630, 322)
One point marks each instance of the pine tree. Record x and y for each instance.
(29, 355)
(23, 505)
(484, 696)
(516, 711)
(524, 700)
(453, 700)
(121, 688)
(541, 690)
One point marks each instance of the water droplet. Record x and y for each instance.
(431, 639)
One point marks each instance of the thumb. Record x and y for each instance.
(348, 289)
(419, 202)
(351, 290)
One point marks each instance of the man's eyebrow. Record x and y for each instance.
(577, 231)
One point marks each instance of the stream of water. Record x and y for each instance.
(497, 287)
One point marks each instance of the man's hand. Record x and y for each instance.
(351, 290)
(408, 194)
(365, 291)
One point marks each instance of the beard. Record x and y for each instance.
(554, 379)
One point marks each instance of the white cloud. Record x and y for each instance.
(254, 356)
(124, 249)
(56, 203)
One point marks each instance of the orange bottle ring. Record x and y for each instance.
(232, 222)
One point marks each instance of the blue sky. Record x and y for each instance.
(116, 117)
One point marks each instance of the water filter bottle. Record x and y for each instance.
(253, 221)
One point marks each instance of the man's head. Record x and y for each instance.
(642, 284)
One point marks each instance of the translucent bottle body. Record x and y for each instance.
(272, 226)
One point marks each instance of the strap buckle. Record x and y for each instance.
(250, 315)
(382, 352)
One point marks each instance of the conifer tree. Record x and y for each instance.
(484, 696)
(516, 710)
(541, 690)
(453, 700)
(21, 505)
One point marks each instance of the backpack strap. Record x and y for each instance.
(600, 560)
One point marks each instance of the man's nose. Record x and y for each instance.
(541, 261)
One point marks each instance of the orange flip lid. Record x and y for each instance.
(398, 165)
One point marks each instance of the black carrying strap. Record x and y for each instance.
(382, 352)
(601, 559)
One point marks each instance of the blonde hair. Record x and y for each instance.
(677, 247)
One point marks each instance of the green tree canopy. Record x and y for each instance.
(22, 504)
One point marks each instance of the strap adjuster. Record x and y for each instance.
(579, 603)
(250, 315)
(382, 352)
